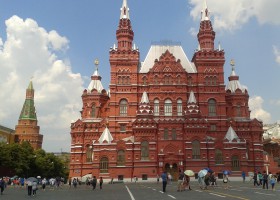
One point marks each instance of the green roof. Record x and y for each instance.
(28, 110)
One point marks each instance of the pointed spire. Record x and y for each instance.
(234, 83)
(125, 33)
(232, 63)
(28, 110)
(96, 63)
(95, 80)
(205, 12)
(206, 35)
(144, 109)
(124, 10)
(231, 135)
(145, 98)
(219, 47)
(106, 136)
(192, 98)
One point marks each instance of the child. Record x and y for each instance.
(272, 182)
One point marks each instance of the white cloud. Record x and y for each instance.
(276, 52)
(255, 104)
(32, 51)
(232, 14)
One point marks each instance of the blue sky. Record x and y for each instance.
(56, 42)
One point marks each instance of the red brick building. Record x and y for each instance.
(27, 128)
(165, 113)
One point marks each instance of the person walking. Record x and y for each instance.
(164, 181)
(34, 188)
(272, 182)
(29, 188)
(260, 177)
(2, 185)
(100, 183)
(265, 180)
(75, 182)
(44, 182)
(243, 176)
(255, 178)
(225, 181)
(93, 182)
(180, 181)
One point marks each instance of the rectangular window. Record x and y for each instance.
(174, 136)
(122, 127)
(165, 136)
(213, 127)
(156, 109)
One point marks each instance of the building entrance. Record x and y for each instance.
(173, 170)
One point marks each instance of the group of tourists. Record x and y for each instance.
(89, 181)
(264, 179)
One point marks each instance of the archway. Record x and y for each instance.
(173, 170)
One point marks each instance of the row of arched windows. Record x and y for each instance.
(168, 105)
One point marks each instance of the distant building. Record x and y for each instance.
(27, 128)
(165, 113)
(7, 135)
(271, 145)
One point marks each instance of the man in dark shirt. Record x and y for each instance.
(164, 181)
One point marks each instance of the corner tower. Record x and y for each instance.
(27, 128)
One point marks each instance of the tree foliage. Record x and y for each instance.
(27, 162)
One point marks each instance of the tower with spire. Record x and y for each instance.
(27, 128)
(165, 113)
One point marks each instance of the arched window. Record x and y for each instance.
(179, 107)
(155, 80)
(145, 81)
(178, 80)
(235, 163)
(93, 111)
(144, 150)
(166, 80)
(89, 154)
(123, 107)
(212, 107)
(196, 149)
(238, 110)
(168, 107)
(104, 165)
(174, 134)
(156, 107)
(219, 156)
(121, 158)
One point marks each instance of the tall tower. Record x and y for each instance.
(124, 61)
(27, 128)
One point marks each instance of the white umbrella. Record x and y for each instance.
(189, 172)
(202, 173)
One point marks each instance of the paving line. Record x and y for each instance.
(161, 192)
(130, 194)
(198, 191)
(171, 196)
(229, 195)
(265, 194)
(217, 195)
(154, 189)
(236, 190)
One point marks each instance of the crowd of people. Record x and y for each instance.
(264, 179)
(89, 181)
